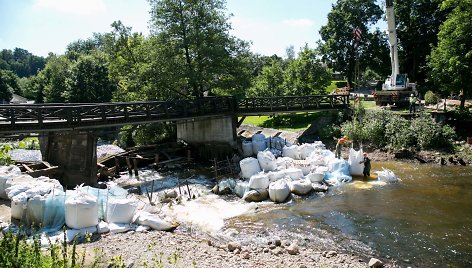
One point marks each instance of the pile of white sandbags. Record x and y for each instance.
(301, 169)
(6, 173)
(81, 209)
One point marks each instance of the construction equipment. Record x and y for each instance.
(397, 87)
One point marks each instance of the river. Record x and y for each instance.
(424, 220)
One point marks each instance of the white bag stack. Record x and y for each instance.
(81, 210)
(291, 151)
(294, 173)
(249, 166)
(304, 165)
(267, 161)
(247, 148)
(305, 150)
(300, 187)
(259, 181)
(355, 157)
(279, 191)
(120, 210)
(276, 175)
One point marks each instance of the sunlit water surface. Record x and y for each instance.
(424, 220)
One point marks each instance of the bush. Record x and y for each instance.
(430, 98)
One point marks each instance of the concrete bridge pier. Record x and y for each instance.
(75, 152)
(213, 137)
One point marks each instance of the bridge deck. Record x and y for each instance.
(57, 117)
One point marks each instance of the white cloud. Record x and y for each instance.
(299, 22)
(78, 7)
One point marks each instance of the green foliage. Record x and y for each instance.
(21, 62)
(5, 158)
(418, 23)
(196, 47)
(384, 129)
(451, 60)
(8, 85)
(338, 46)
(430, 98)
(270, 82)
(55, 74)
(306, 75)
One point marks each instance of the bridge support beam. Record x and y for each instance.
(212, 137)
(75, 152)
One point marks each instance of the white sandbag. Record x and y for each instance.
(267, 161)
(304, 165)
(279, 191)
(284, 162)
(277, 143)
(18, 184)
(294, 173)
(338, 165)
(79, 233)
(319, 145)
(315, 176)
(247, 148)
(305, 150)
(386, 175)
(18, 206)
(337, 178)
(300, 187)
(256, 195)
(241, 188)
(258, 137)
(102, 227)
(81, 210)
(142, 228)
(116, 228)
(259, 181)
(258, 146)
(291, 151)
(355, 157)
(321, 169)
(276, 175)
(153, 221)
(35, 209)
(316, 159)
(249, 166)
(120, 210)
(6, 173)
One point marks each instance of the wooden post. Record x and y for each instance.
(117, 166)
(130, 167)
(135, 164)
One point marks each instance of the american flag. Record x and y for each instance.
(357, 33)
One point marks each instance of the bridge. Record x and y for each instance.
(66, 131)
(85, 116)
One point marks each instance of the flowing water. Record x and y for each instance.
(424, 220)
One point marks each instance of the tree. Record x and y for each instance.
(270, 82)
(337, 44)
(54, 74)
(418, 23)
(88, 81)
(451, 59)
(194, 37)
(8, 85)
(21, 62)
(306, 75)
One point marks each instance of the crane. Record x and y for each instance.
(397, 85)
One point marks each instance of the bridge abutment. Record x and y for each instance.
(75, 152)
(213, 137)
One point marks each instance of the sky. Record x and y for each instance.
(43, 26)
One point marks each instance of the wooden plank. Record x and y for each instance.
(45, 172)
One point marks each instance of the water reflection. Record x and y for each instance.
(425, 219)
